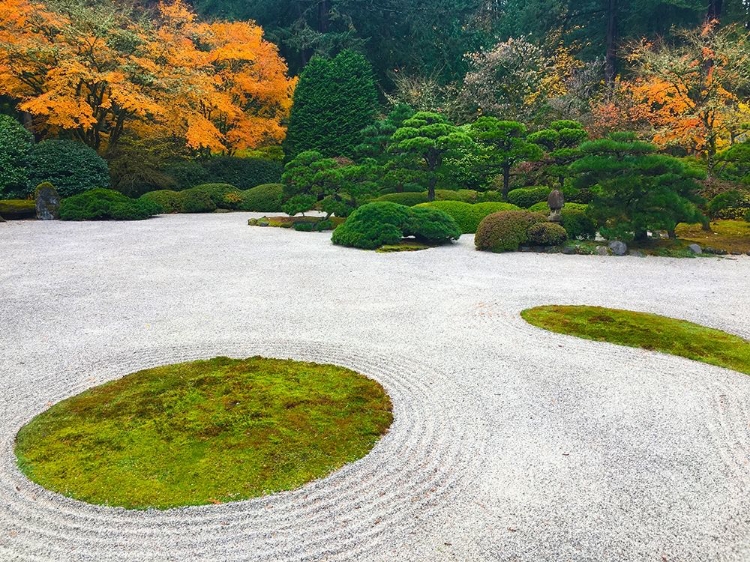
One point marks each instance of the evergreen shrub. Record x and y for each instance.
(72, 167)
(106, 204)
(505, 231)
(547, 234)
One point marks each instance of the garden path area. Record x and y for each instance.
(509, 442)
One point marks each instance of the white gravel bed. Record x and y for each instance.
(509, 442)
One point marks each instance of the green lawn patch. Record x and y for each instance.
(730, 236)
(403, 246)
(648, 331)
(204, 432)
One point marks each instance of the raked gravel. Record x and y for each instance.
(509, 442)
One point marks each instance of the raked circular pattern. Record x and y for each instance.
(423, 460)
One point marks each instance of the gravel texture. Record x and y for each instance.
(509, 442)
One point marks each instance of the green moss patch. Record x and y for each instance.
(204, 432)
(647, 331)
(730, 236)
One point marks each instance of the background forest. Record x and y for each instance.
(328, 104)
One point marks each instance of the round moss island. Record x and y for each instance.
(204, 432)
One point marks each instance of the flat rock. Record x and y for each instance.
(695, 248)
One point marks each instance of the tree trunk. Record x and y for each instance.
(610, 61)
(506, 182)
(431, 187)
(714, 10)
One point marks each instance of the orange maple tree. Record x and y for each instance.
(693, 94)
(101, 73)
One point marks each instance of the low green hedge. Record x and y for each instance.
(17, 209)
(167, 200)
(265, 198)
(468, 216)
(384, 223)
(547, 234)
(506, 231)
(223, 195)
(106, 204)
(528, 196)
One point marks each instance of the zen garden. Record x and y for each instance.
(374, 280)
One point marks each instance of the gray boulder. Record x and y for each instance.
(602, 251)
(47, 202)
(695, 248)
(618, 248)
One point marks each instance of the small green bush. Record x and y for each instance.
(577, 223)
(730, 205)
(197, 201)
(528, 196)
(384, 223)
(168, 201)
(432, 226)
(223, 195)
(547, 234)
(72, 167)
(468, 216)
(105, 204)
(17, 208)
(506, 230)
(265, 198)
(373, 225)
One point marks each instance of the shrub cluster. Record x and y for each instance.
(244, 173)
(166, 200)
(72, 167)
(506, 230)
(413, 198)
(105, 204)
(377, 224)
(266, 198)
(468, 216)
(528, 196)
(547, 234)
(15, 148)
(732, 205)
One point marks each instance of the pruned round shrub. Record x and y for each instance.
(468, 216)
(489, 197)
(17, 209)
(413, 198)
(15, 150)
(105, 204)
(381, 223)
(577, 223)
(197, 201)
(432, 226)
(731, 205)
(223, 195)
(528, 196)
(168, 201)
(547, 234)
(266, 198)
(373, 225)
(505, 231)
(72, 167)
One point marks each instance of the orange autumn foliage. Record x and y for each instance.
(104, 73)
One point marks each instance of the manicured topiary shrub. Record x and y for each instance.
(17, 208)
(244, 173)
(468, 216)
(547, 234)
(168, 201)
(577, 223)
(432, 226)
(384, 223)
(72, 167)
(373, 225)
(197, 201)
(265, 198)
(105, 204)
(528, 196)
(505, 231)
(223, 195)
(15, 150)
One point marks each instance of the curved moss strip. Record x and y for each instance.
(204, 432)
(648, 331)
